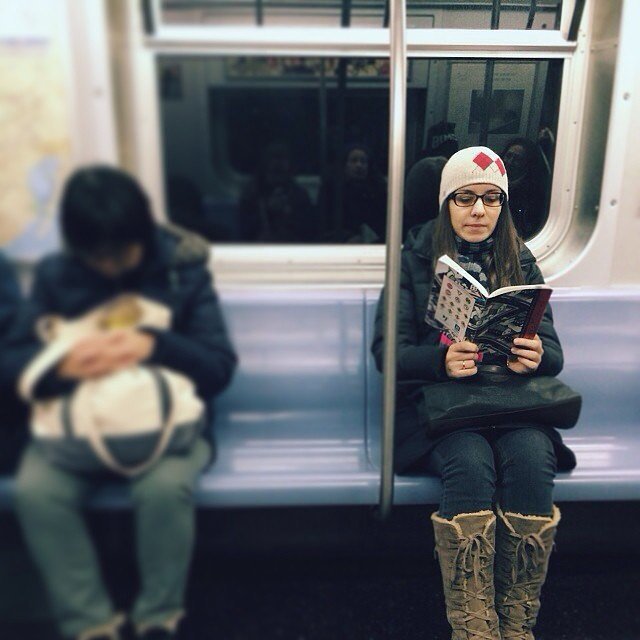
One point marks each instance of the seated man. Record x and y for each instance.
(13, 430)
(112, 247)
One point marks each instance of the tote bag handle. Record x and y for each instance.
(100, 447)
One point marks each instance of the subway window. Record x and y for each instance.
(281, 150)
(294, 150)
(422, 14)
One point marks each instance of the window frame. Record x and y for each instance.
(339, 264)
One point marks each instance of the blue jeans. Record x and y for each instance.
(519, 465)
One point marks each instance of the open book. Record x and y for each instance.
(464, 310)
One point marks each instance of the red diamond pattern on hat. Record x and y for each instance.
(501, 166)
(483, 160)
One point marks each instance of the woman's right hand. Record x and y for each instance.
(461, 359)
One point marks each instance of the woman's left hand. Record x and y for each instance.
(529, 354)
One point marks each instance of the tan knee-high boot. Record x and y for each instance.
(465, 546)
(523, 547)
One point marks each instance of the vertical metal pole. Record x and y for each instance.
(345, 19)
(487, 94)
(487, 101)
(576, 19)
(341, 119)
(532, 14)
(322, 90)
(495, 14)
(397, 118)
(147, 17)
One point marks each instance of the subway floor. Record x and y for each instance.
(339, 574)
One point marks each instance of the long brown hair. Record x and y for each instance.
(503, 269)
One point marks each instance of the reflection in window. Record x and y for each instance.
(294, 150)
(281, 150)
(519, 122)
(421, 14)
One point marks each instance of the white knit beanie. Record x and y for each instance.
(470, 166)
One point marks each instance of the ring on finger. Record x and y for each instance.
(464, 364)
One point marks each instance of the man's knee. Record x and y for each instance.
(162, 486)
(34, 499)
(39, 487)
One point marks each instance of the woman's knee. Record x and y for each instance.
(467, 457)
(528, 450)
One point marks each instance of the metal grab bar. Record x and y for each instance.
(397, 118)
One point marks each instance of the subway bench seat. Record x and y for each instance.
(300, 425)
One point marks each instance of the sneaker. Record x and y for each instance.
(158, 634)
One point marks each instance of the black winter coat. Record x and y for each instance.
(174, 272)
(420, 358)
(13, 413)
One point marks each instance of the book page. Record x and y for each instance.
(520, 287)
(455, 303)
(446, 264)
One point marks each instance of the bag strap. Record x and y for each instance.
(41, 364)
(100, 447)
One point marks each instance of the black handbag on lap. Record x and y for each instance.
(497, 399)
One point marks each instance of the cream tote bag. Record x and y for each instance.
(125, 421)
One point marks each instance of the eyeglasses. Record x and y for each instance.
(468, 199)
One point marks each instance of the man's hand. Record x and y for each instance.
(106, 352)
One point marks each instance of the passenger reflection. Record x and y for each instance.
(353, 199)
(528, 185)
(186, 209)
(421, 192)
(442, 141)
(273, 207)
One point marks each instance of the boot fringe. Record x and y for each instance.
(551, 521)
(454, 522)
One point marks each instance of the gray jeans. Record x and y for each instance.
(49, 504)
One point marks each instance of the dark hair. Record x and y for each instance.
(533, 160)
(441, 140)
(503, 269)
(373, 171)
(104, 210)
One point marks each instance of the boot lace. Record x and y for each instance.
(530, 553)
(470, 559)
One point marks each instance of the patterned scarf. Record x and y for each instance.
(474, 257)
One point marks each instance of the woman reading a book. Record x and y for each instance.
(496, 510)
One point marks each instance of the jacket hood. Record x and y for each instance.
(179, 247)
(419, 239)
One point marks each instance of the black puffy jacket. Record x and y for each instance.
(420, 358)
(174, 273)
(13, 413)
